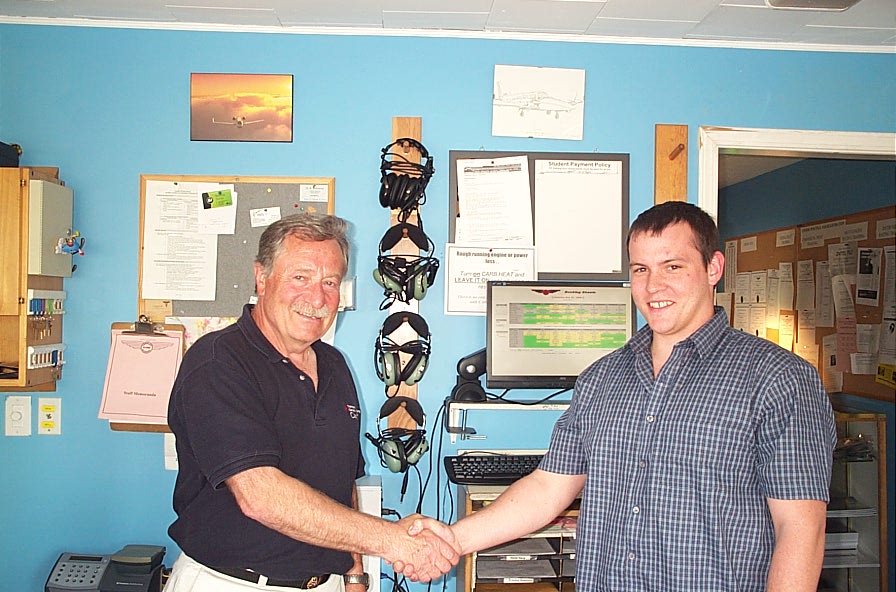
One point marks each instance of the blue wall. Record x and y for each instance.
(808, 190)
(106, 105)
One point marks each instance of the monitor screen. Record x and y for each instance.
(543, 334)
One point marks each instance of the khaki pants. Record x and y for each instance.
(189, 575)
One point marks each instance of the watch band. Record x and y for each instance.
(362, 578)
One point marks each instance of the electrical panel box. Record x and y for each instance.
(50, 219)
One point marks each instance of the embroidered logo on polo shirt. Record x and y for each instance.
(354, 412)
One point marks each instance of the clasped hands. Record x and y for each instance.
(427, 549)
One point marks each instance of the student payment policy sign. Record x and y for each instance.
(471, 267)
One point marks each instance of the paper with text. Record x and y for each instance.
(139, 376)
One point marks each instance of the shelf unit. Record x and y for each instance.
(540, 562)
(457, 414)
(35, 211)
(857, 514)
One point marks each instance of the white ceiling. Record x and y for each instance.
(869, 26)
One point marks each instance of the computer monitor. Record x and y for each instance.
(543, 334)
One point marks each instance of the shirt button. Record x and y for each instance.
(636, 510)
(631, 555)
(642, 463)
(301, 377)
(650, 419)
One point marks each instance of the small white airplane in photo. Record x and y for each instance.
(237, 121)
(536, 100)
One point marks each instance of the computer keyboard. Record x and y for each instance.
(490, 469)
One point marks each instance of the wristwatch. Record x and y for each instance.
(362, 578)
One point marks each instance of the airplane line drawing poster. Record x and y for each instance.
(241, 107)
(536, 102)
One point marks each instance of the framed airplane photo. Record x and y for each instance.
(241, 107)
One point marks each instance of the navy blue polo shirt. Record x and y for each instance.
(238, 404)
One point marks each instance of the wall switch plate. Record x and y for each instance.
(18, 415)
(49, 416)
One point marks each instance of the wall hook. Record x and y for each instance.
(678, 150)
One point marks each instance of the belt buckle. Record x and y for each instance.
(313, 582)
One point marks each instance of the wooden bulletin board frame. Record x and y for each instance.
(767, 255)
(235, 252)
(600, 227)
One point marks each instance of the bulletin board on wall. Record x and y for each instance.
(199, 236)
(854, 248)
(579, 203)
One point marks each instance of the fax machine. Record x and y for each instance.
(135, 568)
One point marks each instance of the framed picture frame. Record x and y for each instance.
(241, 107)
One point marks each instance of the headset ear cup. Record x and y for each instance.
(394, 455)
(414, 369)
(391, 368)
(392, 193)
(383, 279)
(416, 450)
(412, 189)
(386, 184)
(420, 282)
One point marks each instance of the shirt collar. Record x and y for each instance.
(257, 339)
(704, 340)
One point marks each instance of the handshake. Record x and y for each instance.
(424, 550)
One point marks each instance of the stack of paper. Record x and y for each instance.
(840, 541)
(848, 507)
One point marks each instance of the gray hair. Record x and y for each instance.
(309, 227)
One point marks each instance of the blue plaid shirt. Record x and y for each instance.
(679, 467)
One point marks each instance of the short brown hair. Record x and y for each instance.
(661, 216)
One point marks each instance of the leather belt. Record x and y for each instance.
(251, 576)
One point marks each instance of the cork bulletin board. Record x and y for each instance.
(207, 271)
(851, 238)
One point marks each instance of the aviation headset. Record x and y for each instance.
(386, 360)
(400, 448)
(402, 181)
(405, 277)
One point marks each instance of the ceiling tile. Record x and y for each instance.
(742, 3)
(446, 6)
(467, 21)
(845, 35)
(664, 10)
(332, 13)
(616, 27)
(246, 4)
(867, 13)
(227, 16)
(38, 8)
(749, 23)
(543, 15)
(152, 10)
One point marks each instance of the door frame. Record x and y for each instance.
(779, 142)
